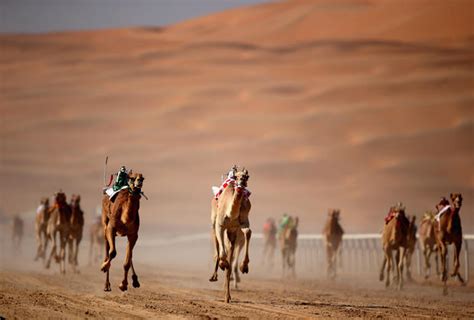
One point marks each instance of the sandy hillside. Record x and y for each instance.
(349, 104)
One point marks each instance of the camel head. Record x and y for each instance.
(442, 203)
(60, 197)
(136, 181)
(456, 200)
(333, 214)
(241, 178)
(44, 201)
(75, 200)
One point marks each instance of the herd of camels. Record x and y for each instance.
(62, 225)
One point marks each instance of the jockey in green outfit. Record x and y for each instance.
(121, 180)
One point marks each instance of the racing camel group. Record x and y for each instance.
(62, 225)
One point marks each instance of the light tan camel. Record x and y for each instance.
(428, 242)
(288, 239)
(333, 235)
(17, 232)
(96, 237)
(411, 244)
(449, 230)
(121, 217)
(76, 229)
(229, 214)
(41, 223)
(59, 224)
(394, 237)
(269, 242)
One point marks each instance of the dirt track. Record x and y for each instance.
(164, 294)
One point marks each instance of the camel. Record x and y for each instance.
(288, 239)
(59, 224)
(411, 244)
(41, 223)
(96, 236)
(120, 216)
(428, 241)
(229, 214)
(269, 242)
(448, 230)
(394, 237)
(75, 231)
(17, 232)
(333, 235)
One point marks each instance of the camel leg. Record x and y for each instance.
(53, 250)
(408, 256)
(443, 251)
(244, 267)
(64, 242)
(401, 257)
(283, 260)
(45, 246)
(458, 246)
(76, 253)
(427, 255)
(135, 282)
(229, 269)
(328, 260)
(223, 264)
(111, 252)
(107, 248)
(437, 261)
(216, 257)
(235, 264)
(382, 270)
(132, 239)
(39, 240)
(388, 258)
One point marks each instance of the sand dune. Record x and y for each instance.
(349, 104)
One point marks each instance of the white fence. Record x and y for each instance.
(361, 253)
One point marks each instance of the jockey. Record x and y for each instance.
(122, 179)
(231, 176)
(121, 182)
(285, 221)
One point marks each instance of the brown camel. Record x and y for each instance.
(448, 230)
(121, 217)
(96, 237)
(41, 223)
(428, 241)
(411, 244)
(269, 242)
(288, 239)
(229, 214)
(17, 232)
(333, 235)
(59, 223)
(394, 237)
(75, 232)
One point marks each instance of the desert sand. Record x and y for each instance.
(348, 104)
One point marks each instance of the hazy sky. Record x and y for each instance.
(59, 15)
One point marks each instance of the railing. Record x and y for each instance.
(361, 253)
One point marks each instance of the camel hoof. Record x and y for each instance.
(123, 286)
(445, 291)
(57, 259)
(223, 264)
(244, 268)
(213, 278)
(107, 287)
(135, 282)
